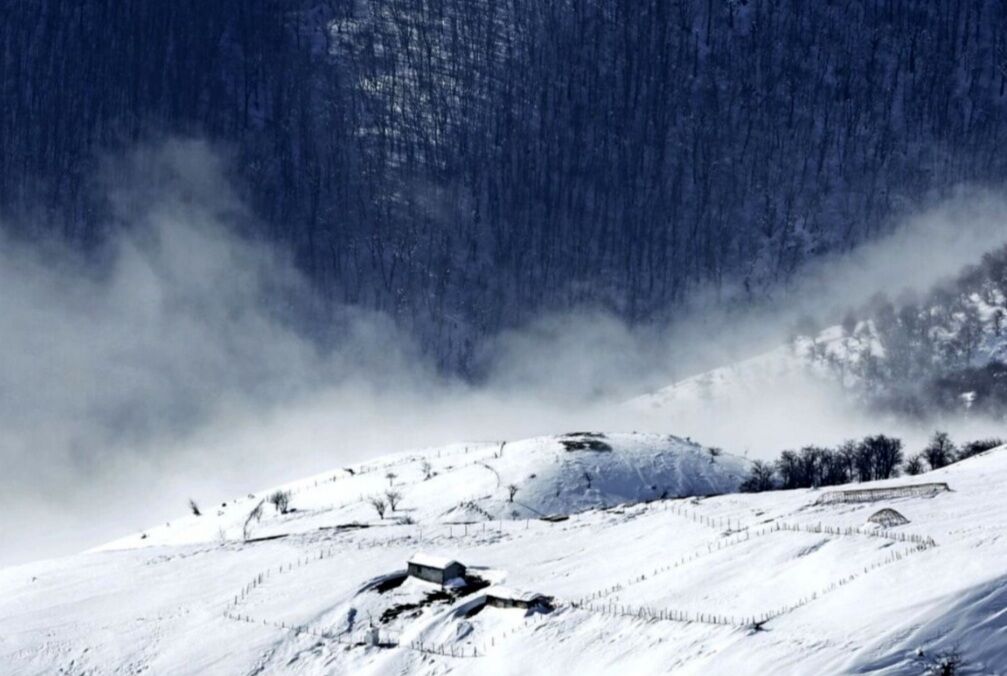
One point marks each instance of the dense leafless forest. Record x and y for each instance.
(465, 164)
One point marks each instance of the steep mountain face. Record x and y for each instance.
(462, 165)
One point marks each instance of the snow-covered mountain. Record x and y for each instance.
(787, 582)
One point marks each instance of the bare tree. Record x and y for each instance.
(914, 465)
(391, 477)
(379, 505)
(885, 454)
(427, 469)
(281, 501)
(194, 507)
(940, 451)
(761, 478)
(393, 498)
(254, 516)
(511, 492)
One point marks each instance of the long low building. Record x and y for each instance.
(505, 597)
(882, 493)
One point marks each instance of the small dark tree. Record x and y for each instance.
(194, 507)
(393, 498)
(846, 457)
(391, 477)
(379, 505)
(511, 492)
(834, 468)
(789, 469)
(914, 465)
(760, 478)
(979, 446)
(281, 501)
(811, 465)
(863, 462)
(253, 517)
(885, 455)
(940, 451)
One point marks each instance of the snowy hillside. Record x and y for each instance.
(779, 582)
(550, 476)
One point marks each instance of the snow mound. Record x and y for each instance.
(575, 472)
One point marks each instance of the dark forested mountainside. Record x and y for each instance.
(462, 164)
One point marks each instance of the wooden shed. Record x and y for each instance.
(505, 597)
(437, 569)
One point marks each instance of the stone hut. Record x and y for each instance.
(437, 569)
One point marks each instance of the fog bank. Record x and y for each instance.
(176, 361)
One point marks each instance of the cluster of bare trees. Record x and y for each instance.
(463, 163)
(873, 457)
(388, 501)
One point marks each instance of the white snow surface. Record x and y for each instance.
(728, 584)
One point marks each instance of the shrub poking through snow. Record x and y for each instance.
(945, 663)
(194, 507)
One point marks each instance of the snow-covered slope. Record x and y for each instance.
(776, 582)
(554, 475)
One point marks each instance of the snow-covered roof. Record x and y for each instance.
(501, 592)
(432, 560)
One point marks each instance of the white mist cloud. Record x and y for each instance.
(174, 367)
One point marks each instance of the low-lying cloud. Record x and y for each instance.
(175, 366)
